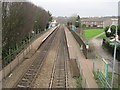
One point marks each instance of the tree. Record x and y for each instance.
(77, 23)
(119, 32)
(84, 26)
(50, 16)
(18, 20)
(78, 18)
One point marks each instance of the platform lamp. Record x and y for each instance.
(113, 68)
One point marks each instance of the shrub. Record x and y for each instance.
(113, 29)
(110, 49)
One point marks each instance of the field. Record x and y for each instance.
(90, 33)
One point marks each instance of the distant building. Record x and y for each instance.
(99, 22)
(92, 22)
(114, 21)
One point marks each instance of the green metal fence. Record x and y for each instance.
(24, 44)
(101, 80)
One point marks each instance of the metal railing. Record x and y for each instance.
(5, 61)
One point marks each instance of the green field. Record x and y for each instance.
(90, 33)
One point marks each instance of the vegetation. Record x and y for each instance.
(112, 29)
(77, 23)
(90, 33)
(99, 82)
(19, 21)
(108, 45)
(83, 26)
(78, 81)
(75, 20)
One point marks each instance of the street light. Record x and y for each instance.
(113, 68)
(109, 30)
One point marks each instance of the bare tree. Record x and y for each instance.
(18, 20)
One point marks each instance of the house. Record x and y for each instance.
(92, 22)
(99, 22)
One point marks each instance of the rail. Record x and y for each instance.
(29, 77)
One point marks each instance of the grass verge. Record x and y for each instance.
(90, 33)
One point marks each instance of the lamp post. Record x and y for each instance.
(113, 68)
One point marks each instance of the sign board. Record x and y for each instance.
(87, 42)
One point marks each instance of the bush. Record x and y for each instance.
(83, 26)
(113, 29)
(110, 49)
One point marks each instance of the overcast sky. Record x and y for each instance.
(80, 7)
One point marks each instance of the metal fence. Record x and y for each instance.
(5, 61)
(100, 76)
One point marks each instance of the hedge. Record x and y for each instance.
(110, 48)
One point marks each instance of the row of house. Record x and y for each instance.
(99, 22)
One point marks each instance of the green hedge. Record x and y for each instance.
(110, 48)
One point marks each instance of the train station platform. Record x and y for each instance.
(88, 80)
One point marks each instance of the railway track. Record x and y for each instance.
(59, 73)
(29, 77)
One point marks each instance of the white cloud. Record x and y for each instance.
(63, 1)
(82, 7)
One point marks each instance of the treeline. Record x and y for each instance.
(19, 20)
(75, 20)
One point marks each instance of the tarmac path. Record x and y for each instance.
(103, 53)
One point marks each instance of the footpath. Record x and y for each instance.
(99, 51)
(88, 80)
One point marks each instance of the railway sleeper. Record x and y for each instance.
(60, 84)
(60, 77)
(24, 79)
(22, 86)
(60, 80)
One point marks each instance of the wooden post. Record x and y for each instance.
(93, 66)
(29, 42)
(17, 55)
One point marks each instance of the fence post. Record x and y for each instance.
(23, 49)
(93, 66)
(29, 42)
(18, 59)
(85, 84)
